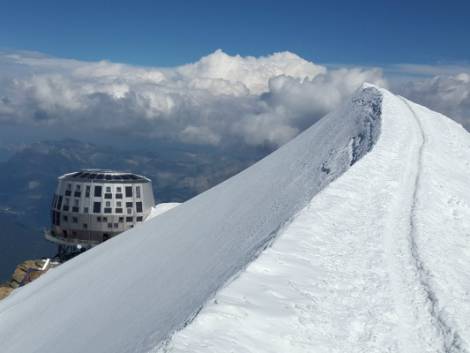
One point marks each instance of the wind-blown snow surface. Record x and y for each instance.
(132, 292)
(161, 208)
(379, 261)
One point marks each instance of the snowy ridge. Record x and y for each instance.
(377, 262)
(367, 217)
(132, 292)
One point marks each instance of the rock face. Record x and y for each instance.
(5, 291)
(24, 273)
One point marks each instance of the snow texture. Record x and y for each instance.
(370, 211)
(161, 208)
(377, 262)
(132, 292)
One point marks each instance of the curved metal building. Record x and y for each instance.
(92, 206)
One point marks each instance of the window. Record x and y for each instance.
(129, 204)
(77, 194)
(139, 219)
(98, 219)
(76, 202)
(56, 218)
(85, 210)
(118, 204)
(97, 207)
(105, 219)
(66, 204)
(129, 219)
(68, 192)
(121, 219)
(85, 226)
(77, 187)
(108, 196)
(75, 209)
(138, 206)
(98, 190)
(87, 191)
(108, 188)
(119, 196)
(74, 220)
(107, 210)
(110, 225)
(118, 189)
(118, 210)
(137, 192)
(116, 225)
(108, 203)
(128, 191)
(129, 211)
(65, 218)
(59, 203)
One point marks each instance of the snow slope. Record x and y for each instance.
(132, 292)
(377, 262)
(161, 208)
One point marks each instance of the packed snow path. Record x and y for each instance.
(449, 337)
(377, 262)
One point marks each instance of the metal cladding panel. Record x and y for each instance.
(118, 207)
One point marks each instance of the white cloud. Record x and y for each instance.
(220, 99)
(253, 73)
(449, 95)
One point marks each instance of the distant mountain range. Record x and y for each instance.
(28, 179)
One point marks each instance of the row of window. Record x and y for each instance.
(66, 234)
(97, 206)
(98, 191)
(129, 220)
(100, 219)
(107, 209)
(76, 203)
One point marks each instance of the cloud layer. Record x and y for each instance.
(218, 100)
(449, 95)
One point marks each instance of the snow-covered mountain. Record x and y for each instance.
(367, 214)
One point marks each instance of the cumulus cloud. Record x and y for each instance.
(220, 99)
(448, 94)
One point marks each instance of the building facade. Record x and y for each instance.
(91, 206)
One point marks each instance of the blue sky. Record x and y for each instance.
(175, 87)
(166, 33)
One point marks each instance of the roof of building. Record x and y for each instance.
(105, 176)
